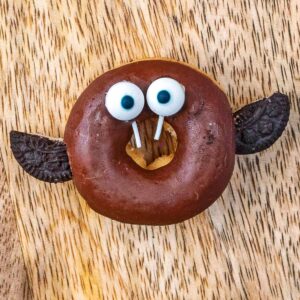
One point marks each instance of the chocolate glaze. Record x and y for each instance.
(115, 186)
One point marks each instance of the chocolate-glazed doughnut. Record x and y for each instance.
(115, 186)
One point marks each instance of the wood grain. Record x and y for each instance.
(246, 245)
(13, 278)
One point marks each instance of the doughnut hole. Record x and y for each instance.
(153, 154)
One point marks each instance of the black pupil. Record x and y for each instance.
(163, 97)
(127, 102)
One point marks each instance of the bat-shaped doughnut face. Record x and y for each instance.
(124, 100)
(152, 142)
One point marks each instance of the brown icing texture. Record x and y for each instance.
(117, 187)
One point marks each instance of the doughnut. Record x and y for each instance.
(96, 139)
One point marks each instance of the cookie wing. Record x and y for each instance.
(41, 157)
(260, 124)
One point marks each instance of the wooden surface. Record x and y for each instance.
(246, 245)
(13, 279)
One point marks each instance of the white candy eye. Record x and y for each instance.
(124, 100)
(165, 96)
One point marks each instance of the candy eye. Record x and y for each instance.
(165, 96)
(124, 100)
